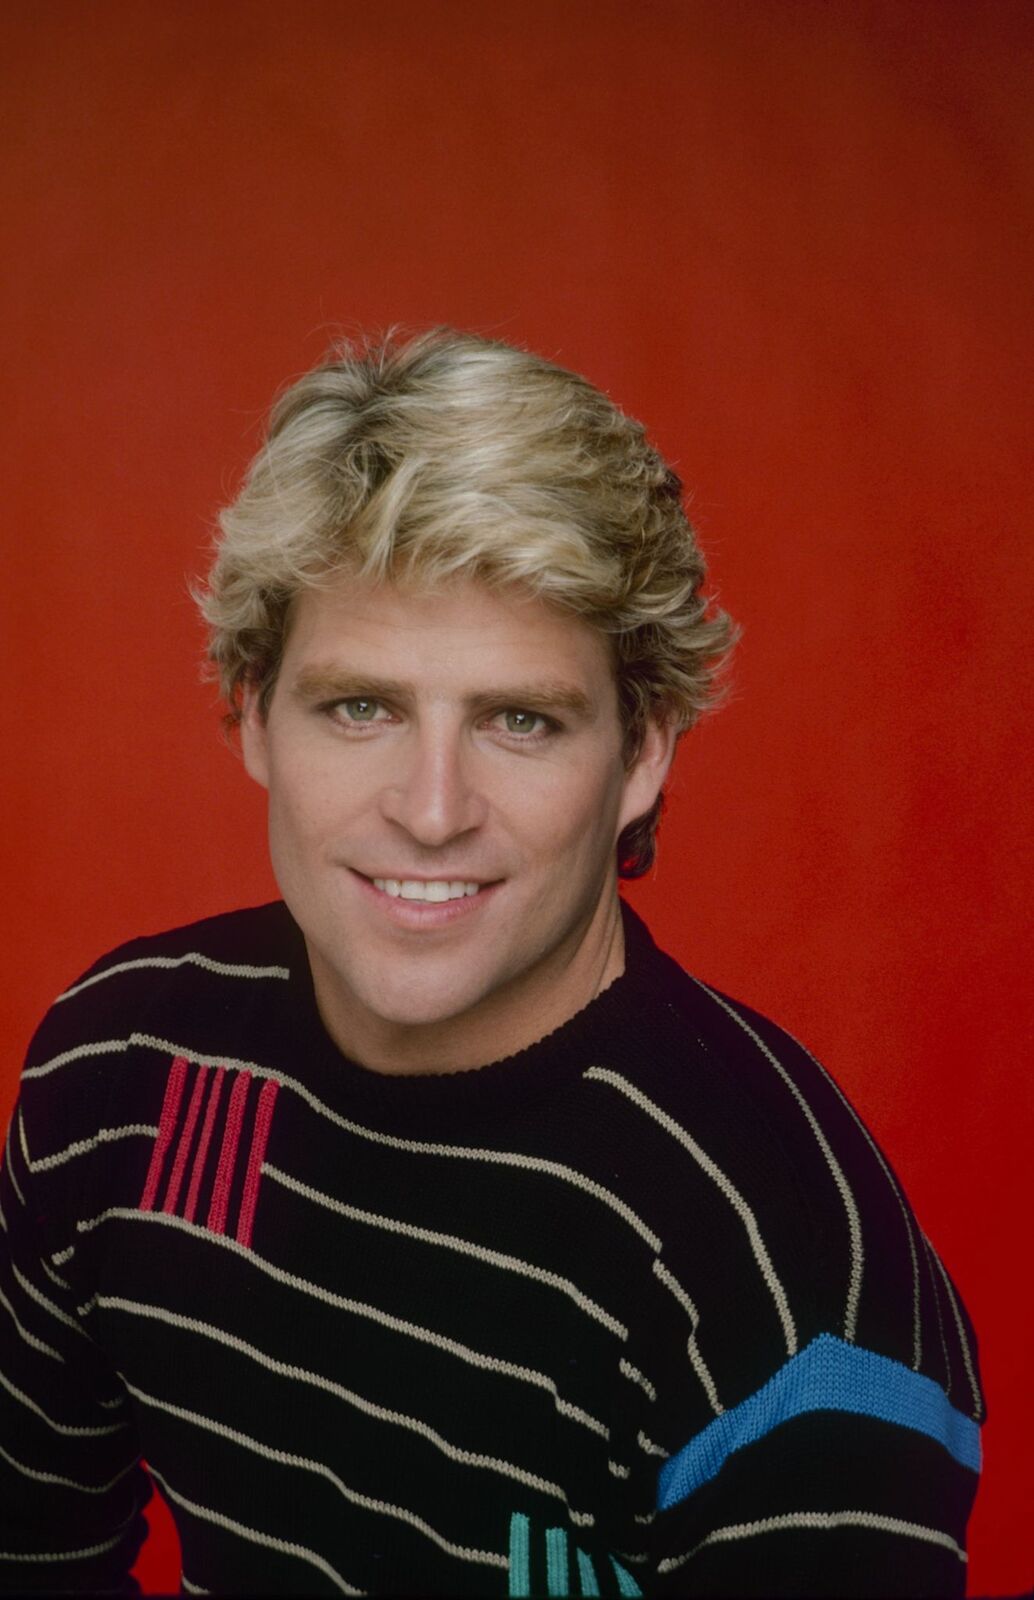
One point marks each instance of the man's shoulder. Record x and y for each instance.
(246, 936)
(786, 1177)
(136, 981)
(744, 1088)
(706, 1052)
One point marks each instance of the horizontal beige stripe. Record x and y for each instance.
(192, 957)
(61, 1555)
(64, 1428)
(820, 1521)
(100, 1047)
(82, 1147)
(66, 1483)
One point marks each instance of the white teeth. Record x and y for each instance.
(438, 889)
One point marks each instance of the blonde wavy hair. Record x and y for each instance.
(426, 458)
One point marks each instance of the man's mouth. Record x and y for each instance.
(434, 889)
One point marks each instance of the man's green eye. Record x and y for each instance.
(520, 721)
(360, 710)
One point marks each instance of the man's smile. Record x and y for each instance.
(425, 902)
(436, 889)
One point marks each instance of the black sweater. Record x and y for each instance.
(640, 1309)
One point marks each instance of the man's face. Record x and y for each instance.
(446, 790)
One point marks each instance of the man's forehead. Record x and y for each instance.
(462, 620)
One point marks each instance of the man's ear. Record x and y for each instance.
(644, 779)
(254, 736)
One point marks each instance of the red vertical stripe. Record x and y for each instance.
(252, 1178)
(228, 1154)
(172, 1193)
(198, 1169)
(166, 1127)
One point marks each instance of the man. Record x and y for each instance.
(432, 1231)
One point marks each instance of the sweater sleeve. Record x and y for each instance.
(72, 1488)
(813, 1419)
(845, 1474)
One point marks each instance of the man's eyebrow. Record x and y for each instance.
(336, 683)
(329, 683)
(545, 695)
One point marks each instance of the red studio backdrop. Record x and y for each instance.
(794, 237)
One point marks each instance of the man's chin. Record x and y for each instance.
(413, 1014)
(400, 1015)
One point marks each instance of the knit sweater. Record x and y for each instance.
(639, 1309)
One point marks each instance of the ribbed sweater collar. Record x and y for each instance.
(522, 1083)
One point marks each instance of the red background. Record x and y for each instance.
(794, 238)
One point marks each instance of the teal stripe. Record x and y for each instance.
(520, 1562)
(829, 1375)
(626, 1582)
(556, 1561)
(586, 1574)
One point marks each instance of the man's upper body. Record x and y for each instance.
(641, 1304)
(431, 1231)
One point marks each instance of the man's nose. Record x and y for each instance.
(435, 796)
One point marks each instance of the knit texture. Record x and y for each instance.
(640, 1309)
